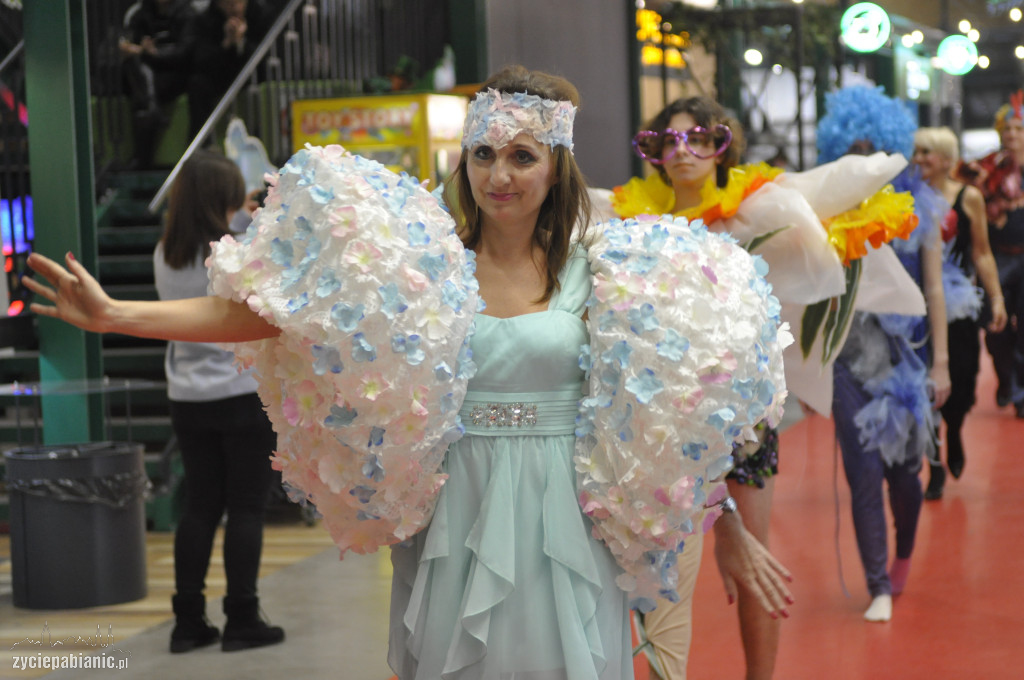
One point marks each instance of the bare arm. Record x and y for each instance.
(935, 299)
(80, 300)
(981, 255)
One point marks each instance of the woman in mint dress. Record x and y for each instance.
(508, 557)
(506, 582)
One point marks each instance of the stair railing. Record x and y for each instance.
(247, 73)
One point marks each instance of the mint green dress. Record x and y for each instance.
(507, 582)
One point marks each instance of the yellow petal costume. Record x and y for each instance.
(813, 229)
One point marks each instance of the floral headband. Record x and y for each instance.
(495, 118)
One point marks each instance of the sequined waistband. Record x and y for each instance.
(511, 416)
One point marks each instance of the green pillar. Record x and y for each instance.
(727, 70)
(634, 55)
(60, 163)
(469, 40)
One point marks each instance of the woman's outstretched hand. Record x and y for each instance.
(743, 561)
(76, 296)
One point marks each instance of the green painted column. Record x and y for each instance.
(60, 163)
(469, 39)
(636, 164)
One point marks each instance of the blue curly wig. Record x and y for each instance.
(864, 113)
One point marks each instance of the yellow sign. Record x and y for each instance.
(357, 120)
(414, 133)
(659, 46)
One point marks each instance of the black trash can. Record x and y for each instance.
(78, 524)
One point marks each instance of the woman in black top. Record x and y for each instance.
(966, 233)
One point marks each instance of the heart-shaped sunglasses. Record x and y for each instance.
(658, 147)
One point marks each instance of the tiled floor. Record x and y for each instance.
(960, 617)
(962, 613)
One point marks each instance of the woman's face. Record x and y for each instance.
(933, 165)
(510, 184)
(1012, 136)
(685, 169)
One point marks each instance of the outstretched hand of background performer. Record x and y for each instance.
(940, 383)
(744, 562)
(999, 316)
(76, 295)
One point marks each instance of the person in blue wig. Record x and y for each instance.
(893, 369)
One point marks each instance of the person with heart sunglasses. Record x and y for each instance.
(692, 143)
(800, 224)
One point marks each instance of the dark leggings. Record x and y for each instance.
(225, 447)
(964, 352)
(1007, 346)
(865, 472)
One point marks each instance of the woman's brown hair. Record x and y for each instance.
(567, 206)
(208, 187)
(707, 113)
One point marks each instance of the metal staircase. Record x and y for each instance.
(316, 49)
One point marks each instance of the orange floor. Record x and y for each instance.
(962, 614)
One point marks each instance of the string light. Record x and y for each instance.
(1015, 14)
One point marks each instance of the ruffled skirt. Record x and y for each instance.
(507, 583)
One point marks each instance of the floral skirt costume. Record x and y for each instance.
(526, 514)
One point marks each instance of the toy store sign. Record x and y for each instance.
(325, 121)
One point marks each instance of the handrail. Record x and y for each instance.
(15, 51)
(229, 96)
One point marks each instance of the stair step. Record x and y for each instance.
(147, 180)
(125, 268)
(125, 239)
(132, 291)
(153, 431)
(20, 365)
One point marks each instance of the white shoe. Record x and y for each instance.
(880, 610)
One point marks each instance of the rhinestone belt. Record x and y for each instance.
(515, 414)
